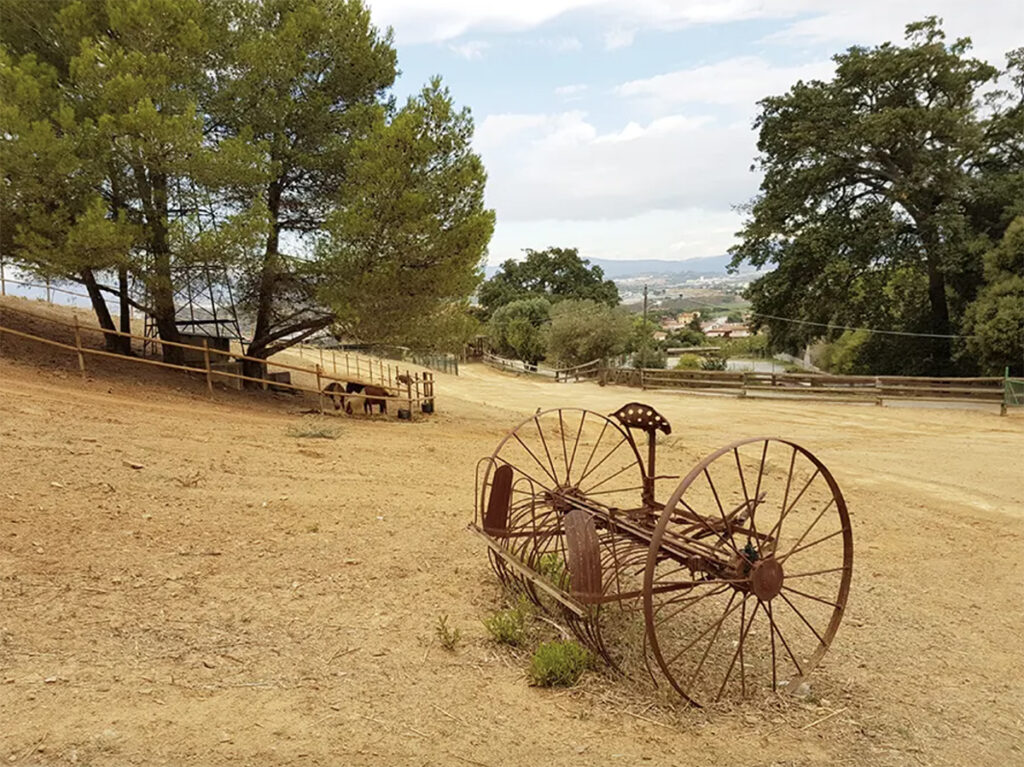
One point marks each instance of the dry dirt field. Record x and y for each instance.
(248, 597)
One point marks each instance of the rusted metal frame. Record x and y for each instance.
(796, 546)
(597, 465)
(528, 572)
(806, 622)
(544, 442)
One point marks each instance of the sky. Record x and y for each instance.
(624, 127)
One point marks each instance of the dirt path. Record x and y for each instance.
(249, 597)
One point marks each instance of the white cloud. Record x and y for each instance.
(473, 49)
(737, 81)
(560, 166)
(994, 25)
(571, 92)
(687, 233)
(565, 44)
(619, 37)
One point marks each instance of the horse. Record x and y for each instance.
(336, 391)
(354, 402)
(374, 395)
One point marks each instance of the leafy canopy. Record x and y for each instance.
(876, 186)
(586, 330)
(553, 273)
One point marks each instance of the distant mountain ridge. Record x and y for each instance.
(615, 269)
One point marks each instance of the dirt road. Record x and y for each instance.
(184, 582)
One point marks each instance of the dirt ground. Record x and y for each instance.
(182, 581)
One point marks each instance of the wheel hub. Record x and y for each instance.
(766, 579)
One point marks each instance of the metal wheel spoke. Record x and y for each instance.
(707, 650)
(705, 632)
(811, 596)
(536, 460)
(739, 649)
(544, 442)
(801, 616)
(806, 546)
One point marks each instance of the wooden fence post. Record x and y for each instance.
(78, 347)
(408, 390)
(319, 391)
(380, 369)
(346, 365)
(878, 391)
(3, 280)
(334, 362)
(743, 384)
(321, 356)
(206, 362)
(49, 298)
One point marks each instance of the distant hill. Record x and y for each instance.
(618, 269)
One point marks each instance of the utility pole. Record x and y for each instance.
(645, 306)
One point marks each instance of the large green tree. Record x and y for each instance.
(304, 80)
(877, 185)
(121, 85)
(553, 273)
(582, 331)
(403, 250)
(519, 329)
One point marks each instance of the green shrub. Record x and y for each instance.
(508, 626)
(713, 363)
(447, 636)
(688, 362)
(552, 567)
(559, 664)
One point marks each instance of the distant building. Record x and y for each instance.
(727, 330)
(660, 335)
(685, 318)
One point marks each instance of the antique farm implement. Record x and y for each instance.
(737, 583)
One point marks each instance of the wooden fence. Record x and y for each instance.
(587, 371)
(816, 386)
(415, 388)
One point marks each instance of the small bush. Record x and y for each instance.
(713, 363)
(447, 636)
(552, 567)
(508, 626)
(559, 664)
(313, 431)
(688, 362)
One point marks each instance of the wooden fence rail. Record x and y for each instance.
(418, 387)
(814, 385)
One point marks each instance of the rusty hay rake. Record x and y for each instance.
(737, 583)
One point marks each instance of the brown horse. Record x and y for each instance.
(374, 396)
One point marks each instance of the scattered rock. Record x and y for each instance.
(133, 464)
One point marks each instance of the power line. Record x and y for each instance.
(849, 327)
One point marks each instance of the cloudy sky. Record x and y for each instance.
(623, 127)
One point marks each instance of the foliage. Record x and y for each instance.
(559, 664)
(689, 362)
(878, 184)
(520, 329)
(995, 320)
(713, 363)
(509, 626)
(586, 330)
(844, 355)
(686, 337)
(141, 136)
(447, 636)
(552, 567)
(404, 247)
(752, 346)
(650, 357)
(553, 273)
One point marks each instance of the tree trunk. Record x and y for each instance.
(110, 340)
(163, 285)
(265, 297)
(126, 314)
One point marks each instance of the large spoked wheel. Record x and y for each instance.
(748, 571)
(559, 457)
